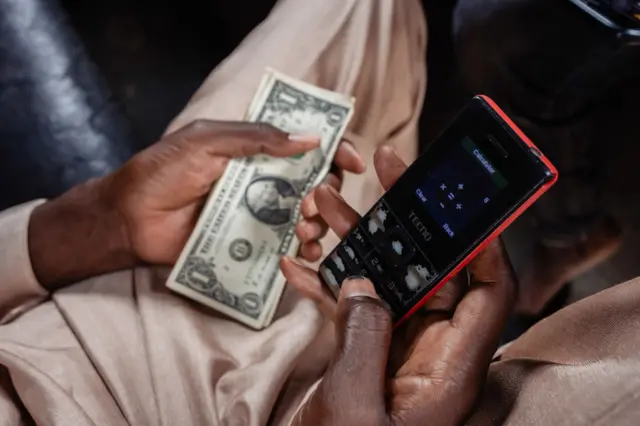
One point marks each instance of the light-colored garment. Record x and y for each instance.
(580, 366)
(120, 349)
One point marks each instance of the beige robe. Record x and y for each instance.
(120, 350)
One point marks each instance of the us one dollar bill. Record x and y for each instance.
(231, 261)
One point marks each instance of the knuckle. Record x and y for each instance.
(334, 178)
(366, 332)
(301, 232)
(262, 137)
(266, 128)
(267, 133)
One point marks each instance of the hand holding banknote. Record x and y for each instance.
(250, 220)
(158, 194)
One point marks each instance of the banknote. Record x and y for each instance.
(231, 261)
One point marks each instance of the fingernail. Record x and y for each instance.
(358, 286)
(331, 189)
(304, 138)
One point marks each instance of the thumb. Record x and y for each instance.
(363, 331)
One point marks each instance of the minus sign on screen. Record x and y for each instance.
(442, 205)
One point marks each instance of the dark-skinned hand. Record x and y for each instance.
(431, 370)
(145, 211)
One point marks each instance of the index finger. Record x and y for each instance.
(237, 139)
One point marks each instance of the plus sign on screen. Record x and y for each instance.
(457, 189)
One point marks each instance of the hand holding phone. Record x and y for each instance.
(450, 344)
(439, 370)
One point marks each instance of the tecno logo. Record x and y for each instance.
(420, 226)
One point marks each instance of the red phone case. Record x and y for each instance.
(502, 226)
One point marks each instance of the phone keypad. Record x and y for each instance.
(380, 249)
(397, 247)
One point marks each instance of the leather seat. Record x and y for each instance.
(58, 123)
